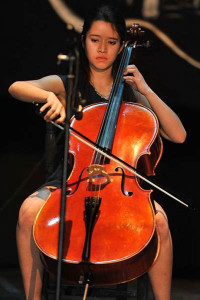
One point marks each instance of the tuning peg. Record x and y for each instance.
(136, 31)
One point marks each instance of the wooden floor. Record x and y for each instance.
(11, 288)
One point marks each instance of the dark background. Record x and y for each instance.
(32, 35)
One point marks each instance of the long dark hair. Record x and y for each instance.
(108, 14)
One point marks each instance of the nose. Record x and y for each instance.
(102, 47)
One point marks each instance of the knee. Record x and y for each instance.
(162, 226)
(27, 214)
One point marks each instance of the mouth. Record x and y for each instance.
(101, 58)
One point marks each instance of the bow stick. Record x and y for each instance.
(116, 159)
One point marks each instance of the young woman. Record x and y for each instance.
(102, 41)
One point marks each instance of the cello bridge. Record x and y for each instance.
(97, 172)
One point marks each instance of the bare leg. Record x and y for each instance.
(161, 272)
(29, 259)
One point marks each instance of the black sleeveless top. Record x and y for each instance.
(91, 97)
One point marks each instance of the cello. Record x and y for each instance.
(110, 234)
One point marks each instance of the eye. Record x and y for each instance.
(112, 42)
(94, 40)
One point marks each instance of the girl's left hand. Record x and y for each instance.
(136, 81)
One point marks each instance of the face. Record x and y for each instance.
(102, 45)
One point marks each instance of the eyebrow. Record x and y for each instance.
(97, 35)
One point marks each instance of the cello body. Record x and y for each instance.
(123, 243)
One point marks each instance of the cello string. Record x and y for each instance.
(101, 159)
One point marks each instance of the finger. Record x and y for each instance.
(129, 78)
(62, 117)
(130, 69)
(55, 114)
(45, 106)
(60, 120)
(131, 81)
(42, 112)
(49, 113)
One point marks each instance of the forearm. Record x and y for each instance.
(26, 91)
(170, 124)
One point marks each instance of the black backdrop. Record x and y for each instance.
(32, 36)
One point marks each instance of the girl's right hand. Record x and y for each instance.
(55, 109)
